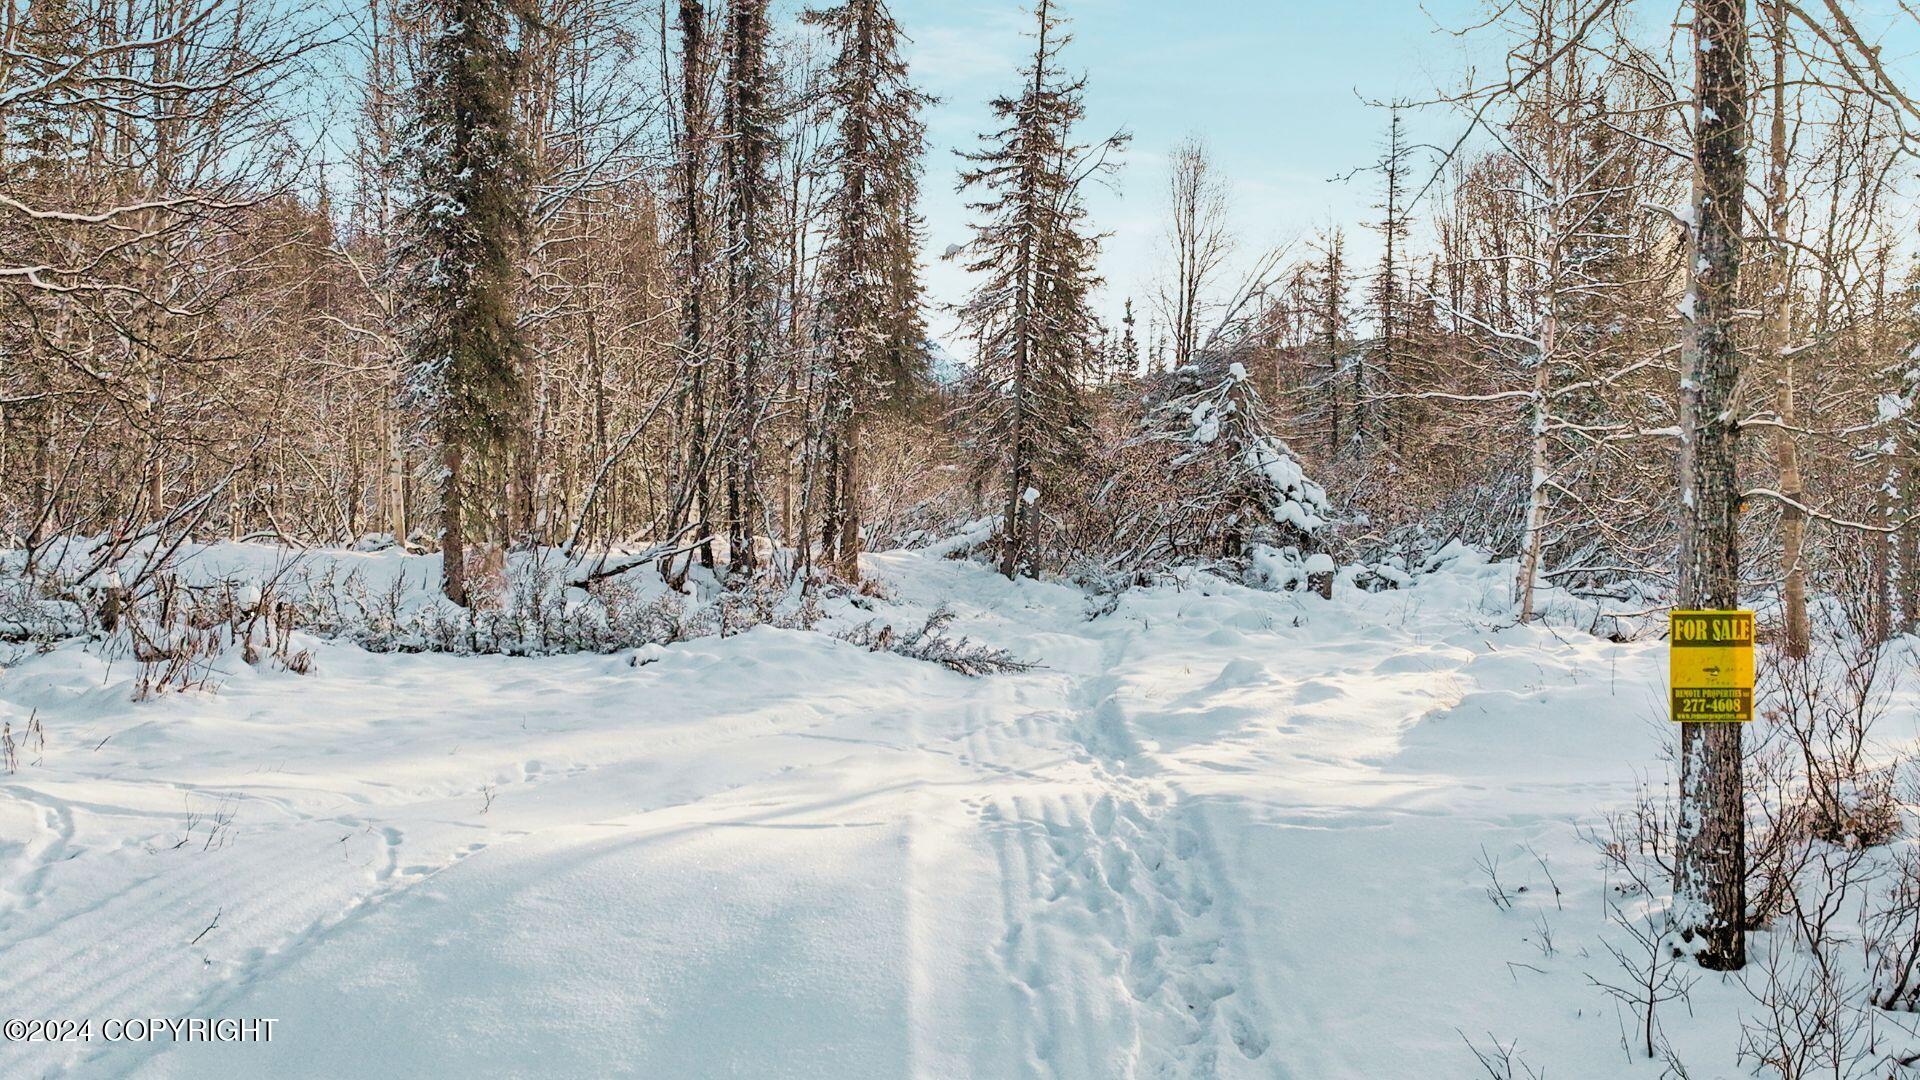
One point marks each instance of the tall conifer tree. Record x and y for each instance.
(465, 225)
(1035, 331)
(872, 332)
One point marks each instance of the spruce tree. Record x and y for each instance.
(872, 333)
(465, 225)
(748, 151)
(1373, 415)
(1330, 303)
(1035, 332)
(42, 138)
(1127, 365)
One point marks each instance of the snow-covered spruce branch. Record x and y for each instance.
(932, 644)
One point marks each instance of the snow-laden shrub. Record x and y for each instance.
(1398, 559)
(181, 634)
(932, 643)
(29, 615)
(183, 617)
(1488, 512)
(1189, 473)
(1207, 422)
(541, 612)
(1288, 569)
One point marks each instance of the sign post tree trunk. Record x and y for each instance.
(1710, 875)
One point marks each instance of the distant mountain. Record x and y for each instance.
(943, 367)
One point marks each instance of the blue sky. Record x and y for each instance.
(1278, 88)
(1275, 88)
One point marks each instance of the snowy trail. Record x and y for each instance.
(1220, 833)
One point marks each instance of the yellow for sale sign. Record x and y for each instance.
(1712, 666)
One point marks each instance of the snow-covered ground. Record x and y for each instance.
(1220, 832)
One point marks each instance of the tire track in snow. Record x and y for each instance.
(149, 904)
(307, 915)
(1119, 955)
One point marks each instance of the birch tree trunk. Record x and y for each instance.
(1556, 233)
(1709, 901)
(1537, 482)
(1908, 552)
(1793, 521)
(396, 486)
(693, 344)
(847, 559)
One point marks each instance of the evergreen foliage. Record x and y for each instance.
(465, 226)
(872, 333)
(1035, 332)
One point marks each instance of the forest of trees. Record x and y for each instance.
(646, 275)
(642, 278)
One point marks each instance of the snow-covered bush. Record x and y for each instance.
(932, 643)
(1826, 704)
(32, 613)
(541, 612)
(183, 616)
(1891, 939)
(1188, 472)
(179, 632)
